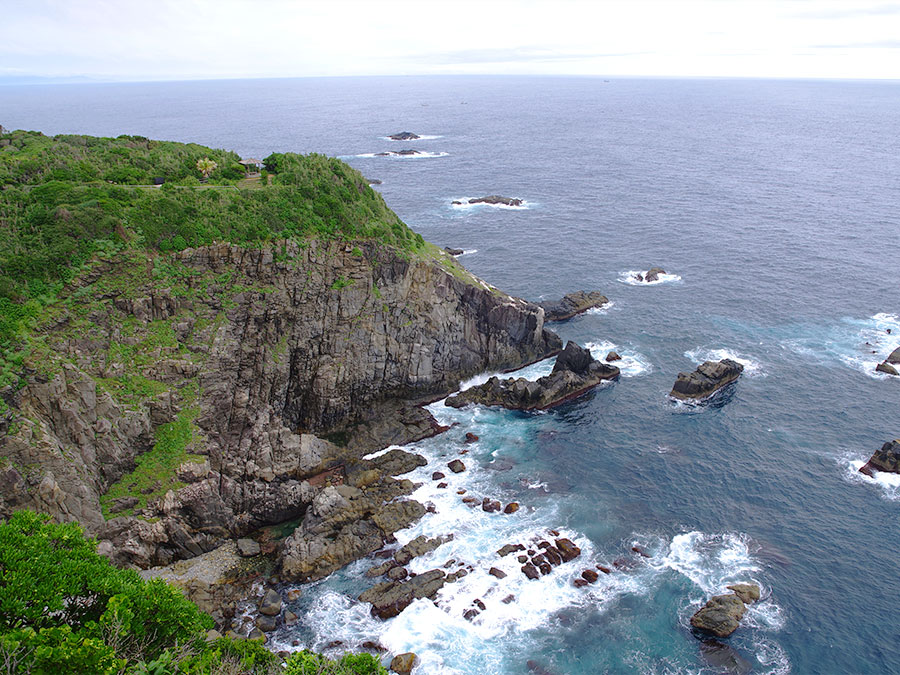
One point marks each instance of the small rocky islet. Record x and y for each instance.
(891, 364)
(706, 380)
(493, 200)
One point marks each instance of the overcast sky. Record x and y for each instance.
(194, 39)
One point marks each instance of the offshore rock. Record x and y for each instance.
(748, 593)
(709, 377)
(653, 274)
(721, 615)
(404, 136)
(403, 664)
(574, 373)
(572, 304)
(454, 251)
(890, 364)
(887, 459)
(493, 199)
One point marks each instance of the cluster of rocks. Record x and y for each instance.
(887, 459)
(404, 136)
(571, 304)
(398, 153)
(710, 377)
(574, 373)
(272, 614)
(722, 614)
(492, 199)
(540, 558)
(651, 275)
(890, 364)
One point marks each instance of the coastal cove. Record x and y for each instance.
(772, 207)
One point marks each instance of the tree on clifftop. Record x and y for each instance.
(206, 166)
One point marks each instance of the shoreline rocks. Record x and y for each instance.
(493, 200)
(710, 377)
(574, 373)
(572, 304)
(650, 275)
(887, 459)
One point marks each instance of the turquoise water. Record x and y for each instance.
(773, 205)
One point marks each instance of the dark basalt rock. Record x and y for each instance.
(709, 377)
(373, 181)
(574, 373)
(456, 466)
(572, 304)
(437, 475)
(530, 571)
(590, 576)
(653, 274)
(419, 547)
(404, 136)
(510, 548)
(270, 605)
(470, 437)
(887, 459)
(500, 574)
(613, 356)
(454, 251)
(493, 199)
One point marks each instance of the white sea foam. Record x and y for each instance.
(773, 656)
(632, 363)
(710, 561)
(887, 483)
(600, 311)
(469, 251)
(379, 453)
(464, 205)
(630, 277)
(422, 154)
(860, 344)
(752, 368)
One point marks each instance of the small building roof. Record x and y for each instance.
(250, 160)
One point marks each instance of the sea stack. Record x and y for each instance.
(721, 615)
(890, 364)
(709, 377)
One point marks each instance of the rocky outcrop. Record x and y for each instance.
(454, 251)
(572, 304)
(887, 459)
(283, 345)
(722, 614)
(493, 200)
(574, 373)
(709, 377)
(404, 136)
(398, 153)
(389, 598)
(890, 365)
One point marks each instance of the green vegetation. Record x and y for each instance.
(154, 473)
(64, 610)
(68, 201)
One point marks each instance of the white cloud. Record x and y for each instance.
(180, 39)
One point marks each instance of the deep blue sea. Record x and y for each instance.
(774, 207)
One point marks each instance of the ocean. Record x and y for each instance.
(773, 206)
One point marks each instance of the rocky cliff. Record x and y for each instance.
(175, 401)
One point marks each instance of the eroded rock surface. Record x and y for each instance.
(572, 304)
(886, 459)
(709, 377)
(574, 373)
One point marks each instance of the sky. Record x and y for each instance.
(134, 40)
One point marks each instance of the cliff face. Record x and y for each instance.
(192, 392)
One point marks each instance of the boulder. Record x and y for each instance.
(886, 368)
(404, 663)
(290, 618)
(590, 576)
(894, 357)
(454, 251)
(748, 593)
(437, 475)
(613, 356)
(266, 623)
(721, 615)
(653, 274)
(530, 571)
(257, 634)
(404, 136)
(247, 548)
(574, 373)
(470, 437)
(456, 466)
(571, 304)
(512, 507)
(709, 377)
(419, 547)
(567, 549)
(509, 548)
(270, 605)
(887, 459)
(490, 505)
(397, 573)
(500, 574)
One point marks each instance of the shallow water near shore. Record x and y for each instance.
(772, 206)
